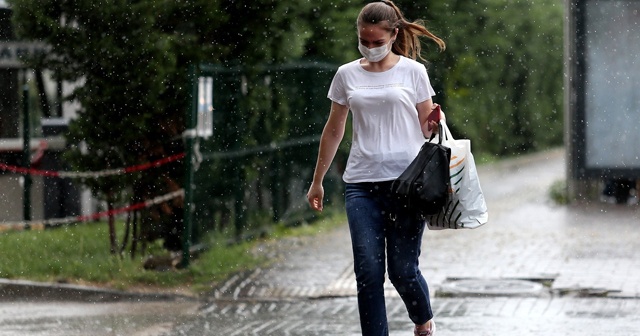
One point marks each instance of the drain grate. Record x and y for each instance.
(490, 287)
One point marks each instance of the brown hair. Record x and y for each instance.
(408, 41)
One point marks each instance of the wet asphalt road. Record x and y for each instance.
(63, 318)
(535, 269)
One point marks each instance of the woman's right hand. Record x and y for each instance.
(315, 196)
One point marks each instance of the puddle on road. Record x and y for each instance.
(491, 287)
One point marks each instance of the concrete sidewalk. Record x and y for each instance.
(536, 268)
(584, 249)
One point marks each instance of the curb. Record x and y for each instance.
(22, 290)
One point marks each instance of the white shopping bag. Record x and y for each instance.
(466, 208)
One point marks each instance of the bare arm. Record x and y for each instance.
(329, 142)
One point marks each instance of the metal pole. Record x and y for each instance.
(26, 151)
(190, 134)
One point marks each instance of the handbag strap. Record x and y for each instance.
(440, 133)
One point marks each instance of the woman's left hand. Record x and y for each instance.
(433, 125)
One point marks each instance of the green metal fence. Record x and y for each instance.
(255, 167)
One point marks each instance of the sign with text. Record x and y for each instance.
(13, 54)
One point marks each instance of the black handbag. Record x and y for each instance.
(426, 181)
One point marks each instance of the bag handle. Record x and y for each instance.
(447, 132)
(440, 130)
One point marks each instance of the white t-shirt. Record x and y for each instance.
(386, 131)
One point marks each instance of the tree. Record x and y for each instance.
(257, 105)
(500, 78)
(130, 59)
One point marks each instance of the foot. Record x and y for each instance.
(427, 329)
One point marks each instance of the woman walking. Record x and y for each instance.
(389, 95)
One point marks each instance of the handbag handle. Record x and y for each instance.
(440, 130)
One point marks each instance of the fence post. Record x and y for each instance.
(189, 135)
(26, 151)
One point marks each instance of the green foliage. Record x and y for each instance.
(500, 82)
(558, 192)
(129, 57)
(333, 25)
(500, 79)
(266, 162)
(129, 60)
(263, 97)
(272, 32)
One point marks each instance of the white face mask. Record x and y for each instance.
(375, 54)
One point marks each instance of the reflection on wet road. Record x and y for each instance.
(82, 319)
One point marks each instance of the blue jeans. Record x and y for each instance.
(380, 226)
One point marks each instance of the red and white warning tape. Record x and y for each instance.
(93, 174)
(41, 224)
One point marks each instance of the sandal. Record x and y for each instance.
(429, 332)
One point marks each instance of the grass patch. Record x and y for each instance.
(80, 255)
(558, 192)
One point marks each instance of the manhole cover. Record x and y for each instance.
(491, 287)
